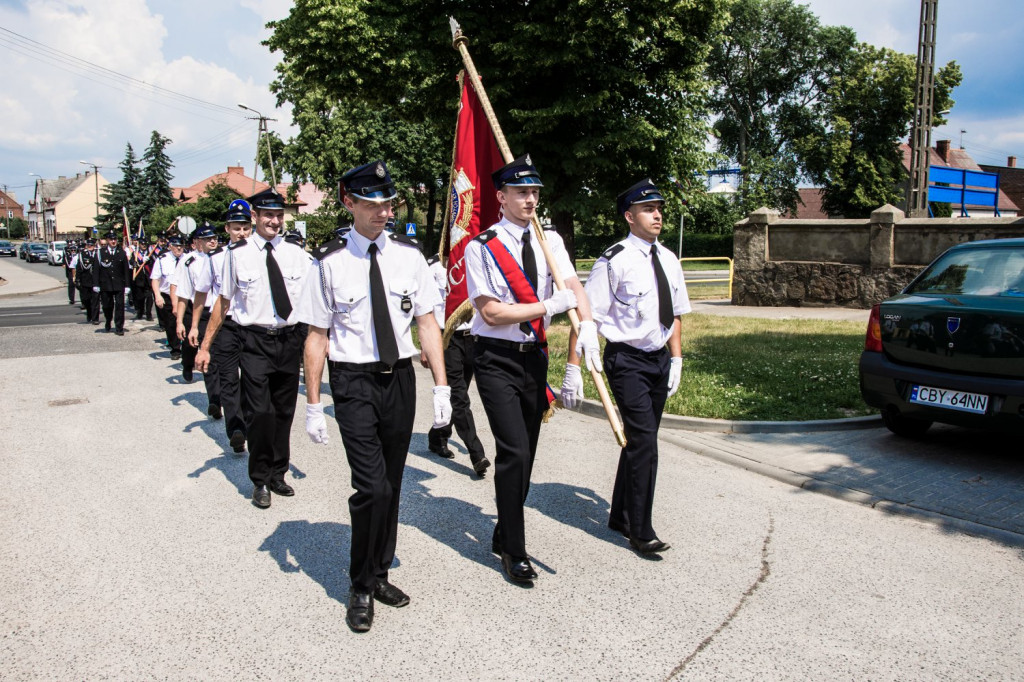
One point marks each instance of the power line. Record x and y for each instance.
(101, 75)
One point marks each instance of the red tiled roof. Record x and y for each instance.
(809, 207)
(236, 179)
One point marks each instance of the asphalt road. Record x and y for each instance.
(132, 551)
(32, 316)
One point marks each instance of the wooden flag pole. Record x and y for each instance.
(460, 42)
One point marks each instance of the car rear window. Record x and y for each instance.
(996, 271)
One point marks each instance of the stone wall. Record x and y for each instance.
(849, 263)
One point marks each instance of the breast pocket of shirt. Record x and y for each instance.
(403, 296)
(293, 284)
(352, 307)
(248, 282)
(632, 303)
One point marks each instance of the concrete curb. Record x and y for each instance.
(23, 294)
(593, 408)
(811, 484)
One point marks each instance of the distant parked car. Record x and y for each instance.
(7, 248)
(950, 347)
(36, 253)
(55, 252)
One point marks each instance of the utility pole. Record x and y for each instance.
(96, 181)
(259, 135)
(921, 126)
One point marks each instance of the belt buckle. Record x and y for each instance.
(273, 331)
(389, 369)
(524, 347)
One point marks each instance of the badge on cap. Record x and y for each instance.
(529, 161)
(380, 170)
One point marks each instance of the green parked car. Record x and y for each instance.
(950, 347)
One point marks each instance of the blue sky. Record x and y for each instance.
(51, 118)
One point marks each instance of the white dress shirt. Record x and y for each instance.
(163, 270)
(623, 293)
(336, 296)
(194, 275)
(245, 283)
(484, 278)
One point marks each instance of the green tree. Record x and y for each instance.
(156, 178)
(600, 93)
(773, 65)
(210, 206)
(17, 228)
(855, 153)
(126, 193)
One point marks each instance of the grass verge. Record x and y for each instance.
(755, 369)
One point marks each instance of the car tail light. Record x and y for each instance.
(873, 338)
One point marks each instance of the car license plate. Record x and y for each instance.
(952, 400)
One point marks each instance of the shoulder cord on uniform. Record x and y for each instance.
(328, 301)
(487, 269)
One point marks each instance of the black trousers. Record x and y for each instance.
(513, 389)
(639, 382)
(188, 355)
(93, 309)
(459, 367)
(270, 384)
(142, 298)
(169, 323)
(71, 287)
(224, 360)
(375, 414)
(113, 307)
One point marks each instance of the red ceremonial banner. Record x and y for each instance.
(473, 203)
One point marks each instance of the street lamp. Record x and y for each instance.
(259, 133)
(39, 204)
(96, 181)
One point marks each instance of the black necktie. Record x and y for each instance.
(529, 262)
(664, 297)
(387, 347)
(278, 291)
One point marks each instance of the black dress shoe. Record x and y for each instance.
(214, 411)
(106, 328)
(119, 332)
(261, 497)
(441, 450)
(238, 441)
(360, 611)
(518, 570)
(620, 527)
(388, 594)
(96, 322)
(175, 355)
(480, 466)
(649, 546)
(186, 374)
(281, 488)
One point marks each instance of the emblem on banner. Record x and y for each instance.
(462, 207)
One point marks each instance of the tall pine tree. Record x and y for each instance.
(124, 193)
(156, 175)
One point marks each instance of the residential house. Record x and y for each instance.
(944, 154)
(9, 208)
(65, 207)
(1011, 180)
(308, 200)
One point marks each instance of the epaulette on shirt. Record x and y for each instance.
(217, 250)
(189, 261)
(404, 239)
(433, 259)
(328, 248)
(240, 242)
(485, 236)
(612, 250)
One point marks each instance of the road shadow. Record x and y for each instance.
(235, 469)
(320, 550)
(458, 524)
(960, 474)
(575, 506)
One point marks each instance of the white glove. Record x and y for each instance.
(127, 290)
(572, 387)
(674, 371)
(316, 425)
(442, 406)
(95, 290)
(559, 302)
(586, 343)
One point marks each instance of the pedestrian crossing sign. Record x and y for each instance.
(410, 229)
